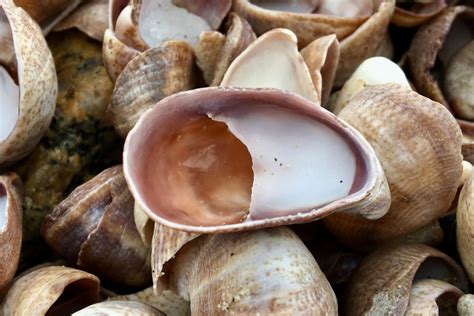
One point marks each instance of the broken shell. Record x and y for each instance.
(465, 226)
(51, 291)
(443, 42)
(364, 42)
(418, 143)
(322, 57)
(48, 13)
(90, 17)
(260, 272)
(373, 71)
(10, 226)
(382, 283)
(308, 19)
(466, 305)
(119, 308)
(95, 228)
(28, 84)
(167, 301)
(433, 297)
(411, 13)
(157, 73)
(199, 145)
(281, 66)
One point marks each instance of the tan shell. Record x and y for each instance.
(167, 301)
(119, 308)
(322, 58)
(427, 48)
(34, 66)
(207, 51)
(144, 224)
(369, 196)
(418, 143)
(90, 17)
(116, 54)
(306, 26)
(55, 290)
(432, 235)
(433, 297)
(151, 76)
(261, 272)
(382, 283)
(466, 305)
(419, 13)
(465, 226)
(10, 226)
(95, 227)
(48, 13)
(364, 42)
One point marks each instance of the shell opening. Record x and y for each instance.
(158, 23)
(434, 268)
(9, 104)
(447, 303)
(247, 163)
(295, 6)
(460, 33)
(75, 297)
(3, 208)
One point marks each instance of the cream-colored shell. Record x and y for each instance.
(37, 81)
(119, 308)
(465, 225)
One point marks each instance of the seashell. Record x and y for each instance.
(193, 137)
(94, 227)
(441, 49)
(53, 290)
(373, 71)
(307, 19)
(207, 51)
(418, 143)
(167, 301)
(466, 305)
(119, 308)
(90, 17)
(151, 76)
(244, 274)
(282, 66)
(48, 13)
(433, 297)
(410, 14)
(388, 281)
(28, 84)
(465, 226)
(431, 234)
(143, 24)
(364, 42)
(10, 226)
(322, 57)
(144, 224)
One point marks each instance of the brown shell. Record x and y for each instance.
(418, 143)
(11, 229)
(370, 199)
(207, 51)
(95, 227)
(55, 290)
(151, 76)
(261, 272)
(465, 226)
(381, 284)
(37, 81)
(418, 14)
(116, 54)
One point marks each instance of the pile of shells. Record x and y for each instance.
(236, 157)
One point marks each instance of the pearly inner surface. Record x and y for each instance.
(273, 61)
(3, 208)
(9, 104)
(161, 20)
(298, 163)
(296, 6)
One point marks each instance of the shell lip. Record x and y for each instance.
(362, 192)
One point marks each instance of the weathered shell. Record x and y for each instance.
(119, 308)
(53, 290)
(466, 305)
(30, 71)
(465, 226)
(151, 76)
(417, 12)
(90, 17)
(261, 272)
(175, 121)
(382, 283)
(95, 227)
(433, 297)
(418, 143)
(10, 226)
